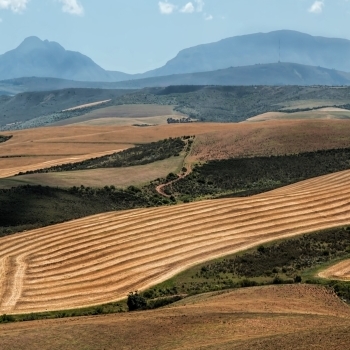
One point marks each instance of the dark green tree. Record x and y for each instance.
(136, 301)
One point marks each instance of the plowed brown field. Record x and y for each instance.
(101, 258)
(275, 317)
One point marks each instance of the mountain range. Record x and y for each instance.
(243, 60)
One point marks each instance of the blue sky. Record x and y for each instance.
(138, 35)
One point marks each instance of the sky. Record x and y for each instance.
(134, 36)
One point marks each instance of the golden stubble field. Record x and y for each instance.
(39, 148)
(101, 258)
(274, 137)
(274, 317)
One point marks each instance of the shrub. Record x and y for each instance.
(136, 301)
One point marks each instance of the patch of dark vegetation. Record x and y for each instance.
(283, 262)
(28, 207)
(139, 155)
(4, 138)
(247, 176)
(138, 302)
(109, 308)
(296, 110)
(182, 89)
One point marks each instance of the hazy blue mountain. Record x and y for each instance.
(37, 58)
(34, 57)
(260, 74)
(260, 48)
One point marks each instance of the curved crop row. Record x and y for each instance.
(103, 257)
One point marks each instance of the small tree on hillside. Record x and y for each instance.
(136, 301)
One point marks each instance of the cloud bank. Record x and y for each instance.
(72, 7)
(13, 5)
(317, 7)
(166, 8)
(188, 8)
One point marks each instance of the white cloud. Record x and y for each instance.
(14, 5)
(166, 8)
(208, 17)
(317, 7)
(200, 5)
(72, 6)
(188, 8)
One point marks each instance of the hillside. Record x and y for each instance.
(28, 105)
(74, 264)
(34, 57)
(204, 103)
(260, 48)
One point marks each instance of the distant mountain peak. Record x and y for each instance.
(44, 58)
(33, 43)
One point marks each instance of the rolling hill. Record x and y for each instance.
(102, 258)
(27, 105)
(292, 316)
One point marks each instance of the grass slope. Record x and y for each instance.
(152, 244)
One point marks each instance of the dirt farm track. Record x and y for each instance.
(101, 258)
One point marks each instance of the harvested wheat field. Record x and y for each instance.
(101, 258)
(31, 149)
(340, 271)
(272, 138)
(28, 149)
(274, 317)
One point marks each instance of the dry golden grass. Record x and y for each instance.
(123, 111)
(274, 317)
(101, 258)
(29, 149)
(272, 138)
(119, 177)
(42, 147)
(323, 113)
(150, 121)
